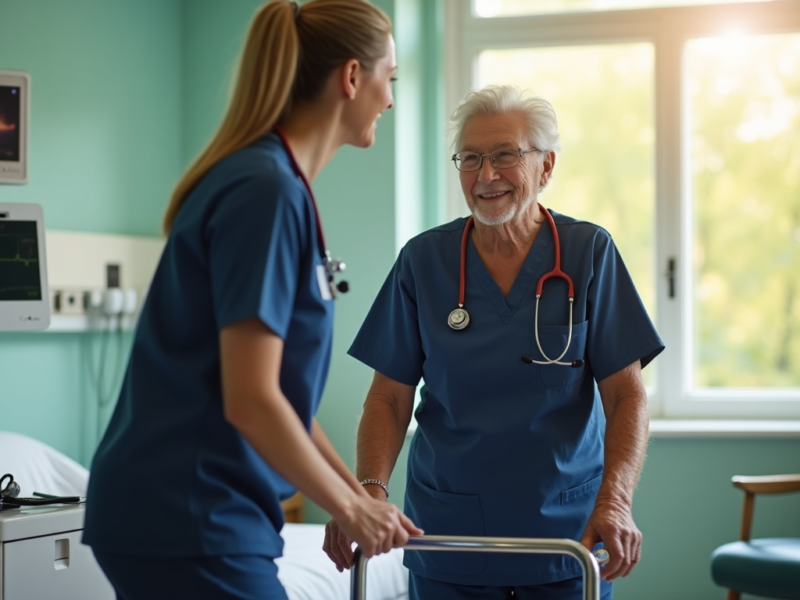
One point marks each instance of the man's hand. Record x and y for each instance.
(611, 523)
(336, 545)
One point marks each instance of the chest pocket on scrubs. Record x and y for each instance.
(554, 339)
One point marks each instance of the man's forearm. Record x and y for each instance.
(627, 430)
(381, 434)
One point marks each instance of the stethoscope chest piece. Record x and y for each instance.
(458, 319)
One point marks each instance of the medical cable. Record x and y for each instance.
(106, 395)
(9, 496)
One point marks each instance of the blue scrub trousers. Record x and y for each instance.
(421, 588)
(246, 577)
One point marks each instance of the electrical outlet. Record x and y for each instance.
(68, 302)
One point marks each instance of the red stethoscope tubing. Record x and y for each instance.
(331, 266)
(555, 272)
(463, 277)
(299, 171)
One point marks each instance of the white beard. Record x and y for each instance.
(505, 215)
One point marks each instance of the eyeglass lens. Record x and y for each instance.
(502, 159)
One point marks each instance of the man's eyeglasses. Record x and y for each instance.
(505, 158)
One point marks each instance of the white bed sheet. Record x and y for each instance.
(308, 574)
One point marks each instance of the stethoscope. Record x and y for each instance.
(9, 496)
(459, 318)
(332, 266)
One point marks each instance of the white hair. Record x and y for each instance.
(500, 99)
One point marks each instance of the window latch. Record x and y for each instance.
(671, 277)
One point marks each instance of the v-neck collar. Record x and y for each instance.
(524, 283)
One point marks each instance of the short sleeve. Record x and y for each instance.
(620, 330)
(389, 339)
(255, 239)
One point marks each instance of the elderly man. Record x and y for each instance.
(530, 337)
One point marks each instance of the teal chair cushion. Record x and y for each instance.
(765, 567)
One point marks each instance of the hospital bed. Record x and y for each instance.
(304, 569)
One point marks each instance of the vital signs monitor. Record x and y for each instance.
(14, 136)
(24, 297)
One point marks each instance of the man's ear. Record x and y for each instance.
(351, 77)
(548, 164)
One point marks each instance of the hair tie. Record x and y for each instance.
(296, 8)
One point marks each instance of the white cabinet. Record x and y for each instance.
(42, 558)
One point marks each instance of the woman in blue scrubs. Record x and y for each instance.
(215, 424)
(532, 420)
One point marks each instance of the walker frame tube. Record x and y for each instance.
(589, 564)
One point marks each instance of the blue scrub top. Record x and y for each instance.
(504, 448)
(171, 476)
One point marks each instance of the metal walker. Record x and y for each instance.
(589, 563)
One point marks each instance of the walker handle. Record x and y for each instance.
(587, 560)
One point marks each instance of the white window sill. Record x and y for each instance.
(720, 428)
(709, 428)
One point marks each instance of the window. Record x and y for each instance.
(513, 8)
(680, 134)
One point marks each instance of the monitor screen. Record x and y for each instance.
(19, 261)
(24, 296)
(9, 122)
(14, 103)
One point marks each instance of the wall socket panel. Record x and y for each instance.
(78, 270)
(78, 261)
(68, 301)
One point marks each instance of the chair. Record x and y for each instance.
(768, 567)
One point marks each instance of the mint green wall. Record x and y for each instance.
(105, 150)
(136, 88)
(105, 110)
(213, 34)
(685, 507)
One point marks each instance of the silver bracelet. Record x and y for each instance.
(377, 482)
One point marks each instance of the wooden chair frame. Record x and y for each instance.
(294, 509)
(764, 484)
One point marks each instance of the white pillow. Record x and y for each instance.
(308, 574)
(37, 467)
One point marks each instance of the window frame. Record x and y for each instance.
(668, 29)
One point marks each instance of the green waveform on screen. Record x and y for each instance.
(19, 259)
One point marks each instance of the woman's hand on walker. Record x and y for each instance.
(376, 526)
